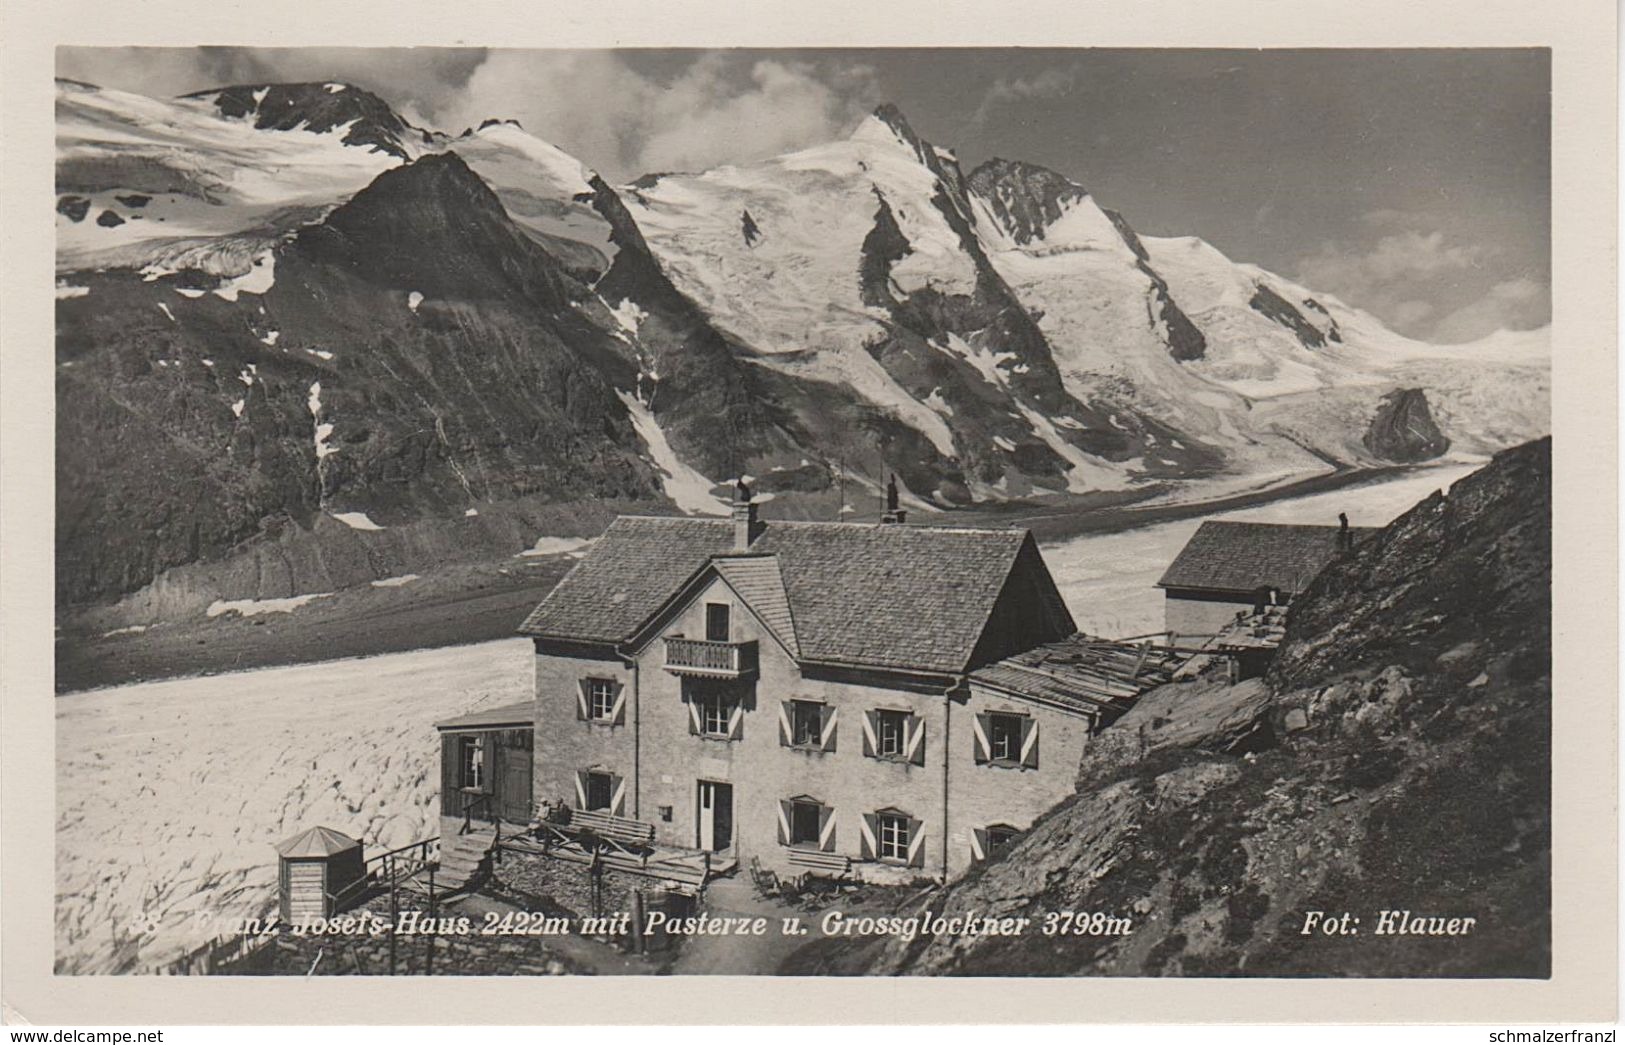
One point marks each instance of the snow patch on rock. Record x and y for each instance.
(255, 607)
(687, 488)
(558, 546)
(356, 520)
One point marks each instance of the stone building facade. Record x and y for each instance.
(754, 688)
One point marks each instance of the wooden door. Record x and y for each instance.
(514, 786)
(716, 816)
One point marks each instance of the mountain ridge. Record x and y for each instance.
(817, 320)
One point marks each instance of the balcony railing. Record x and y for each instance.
(717, 660)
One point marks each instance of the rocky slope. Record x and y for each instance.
(1397, 757)
(285, 305)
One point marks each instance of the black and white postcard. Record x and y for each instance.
(1065, 512)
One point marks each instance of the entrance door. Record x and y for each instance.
(716, 816)
(514, 787)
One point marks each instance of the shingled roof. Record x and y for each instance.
(911, 597)
(1244, 556)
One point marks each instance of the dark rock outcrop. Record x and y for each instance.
(1268, 303)
(1403, 428)
(1025, 197)
(316, 107)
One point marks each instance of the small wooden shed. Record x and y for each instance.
(315, 868)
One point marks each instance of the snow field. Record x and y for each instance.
(171, 795)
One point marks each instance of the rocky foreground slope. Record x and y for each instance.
(1397, 757)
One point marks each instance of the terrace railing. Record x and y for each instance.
(706, 659)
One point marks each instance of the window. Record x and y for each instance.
(806, 724)
(601, 699)
(891, 733)
(472, 761)
(805, 823)
(600, 791)
(715, 712)
(716, 622)
(1001, 836)
(891, 835)
(1004, 737)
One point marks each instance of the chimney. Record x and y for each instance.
(746, 526)
(893, 513)
(1345, 536)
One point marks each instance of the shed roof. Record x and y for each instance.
(1081, 673)
(899, 596)
(316, 842)
(510, 716)
(1245, 556)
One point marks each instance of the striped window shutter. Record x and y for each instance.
(978, 843)
(871, 743)
(787, 737)
(826, 828)
(914, 749)
(1029, 743)
(916, 842)
(785, 806)
(451, 774)
(736, 721)
(867, 827)
(617, 790)
(693, 716)
(581, 789)
(583, 711)
(828, 733)
(617, 710)
(979, 729)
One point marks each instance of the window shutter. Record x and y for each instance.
(784, 821)
(581, 789)
(978, 843)
(870, 743)
(867, 846)
(583, 712)
(617, 790)
(1029, 743)
(916, 843)
(828, 733)
(787, 736)
(736, 721)
(915, 749)
(451, 771)
(979, 727)
(617, 710)
(693, 716)
(826, 828)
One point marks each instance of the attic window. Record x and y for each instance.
(716, 622)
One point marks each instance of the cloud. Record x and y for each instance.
(1051, 83)
(1406, 275)
(1520, 303)
(409, 77)
(719, 109)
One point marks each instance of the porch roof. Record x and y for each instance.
(509, 716)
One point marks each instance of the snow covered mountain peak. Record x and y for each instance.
(1025, 198)
(366, 119)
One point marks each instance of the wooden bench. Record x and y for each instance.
(832, 865)
(618, 829)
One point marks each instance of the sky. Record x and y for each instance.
(1411, 183)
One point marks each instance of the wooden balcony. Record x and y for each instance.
(713, 660)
